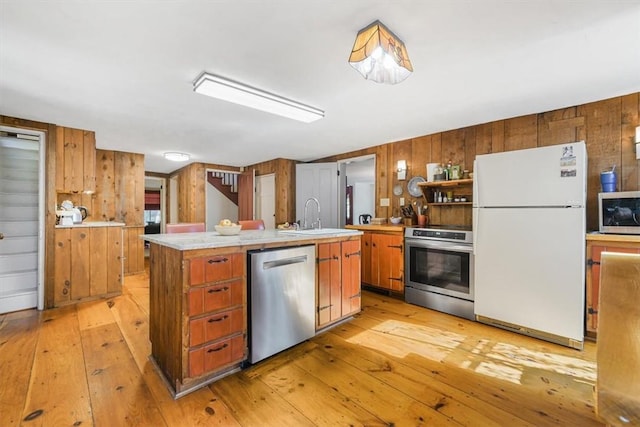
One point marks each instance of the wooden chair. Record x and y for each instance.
(618, 346)
(185, 227)
(253, 224)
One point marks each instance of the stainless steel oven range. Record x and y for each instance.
(439, 269)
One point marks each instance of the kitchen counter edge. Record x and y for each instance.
(212, 239)
(596, 236)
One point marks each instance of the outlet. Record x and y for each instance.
(384, 202)
(401, 201)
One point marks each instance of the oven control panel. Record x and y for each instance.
(449, 235)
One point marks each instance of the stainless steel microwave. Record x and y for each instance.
(619, 212)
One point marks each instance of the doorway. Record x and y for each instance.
(358, 177)
(22, 207)
(266, 199)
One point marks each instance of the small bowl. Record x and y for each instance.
(228, 230)
(395, 219)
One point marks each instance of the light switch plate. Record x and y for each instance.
(384, 202)
(401, 201)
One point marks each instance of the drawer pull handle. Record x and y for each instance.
(222, 347)
(217, 260)
(211, 291)
(219, 319)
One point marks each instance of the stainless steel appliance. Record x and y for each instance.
(439, 269)
(282, 298)
(619, 213)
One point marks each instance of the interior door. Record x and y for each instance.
(320, 181)
(20, 221)
(266, 199)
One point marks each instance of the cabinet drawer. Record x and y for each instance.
(215, 297)
(215, 268)
(215, 326)
(213, 356)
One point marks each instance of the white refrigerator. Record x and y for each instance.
(529, 241)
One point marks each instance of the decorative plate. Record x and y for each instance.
(397, 189)
(413, 188)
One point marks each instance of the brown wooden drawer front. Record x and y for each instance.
(215, 297)
(215, 326)
(213, 356)
(215, 268)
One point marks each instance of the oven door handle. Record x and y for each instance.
(445, 246)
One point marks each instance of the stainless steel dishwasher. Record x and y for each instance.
(282, 299)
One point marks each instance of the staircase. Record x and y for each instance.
(226, 183)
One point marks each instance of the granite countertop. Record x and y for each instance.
(94, 224)
(212, 239)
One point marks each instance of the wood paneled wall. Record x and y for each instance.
(607, 127)
(119, 197)
(285, 182)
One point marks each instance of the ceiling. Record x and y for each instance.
(125, 69)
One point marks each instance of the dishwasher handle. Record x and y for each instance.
(284, 262)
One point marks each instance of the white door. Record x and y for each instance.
(266, 199)
(318, 180)
(21, 211)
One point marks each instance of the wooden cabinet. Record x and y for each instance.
(451, 212)
(88, 263)
(383, 260)
(198, 314)
(596, 244)
(75, 160)
(338, 270)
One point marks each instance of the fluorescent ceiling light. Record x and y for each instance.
(238, 93)
(174, 156)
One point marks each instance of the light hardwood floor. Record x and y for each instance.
(393, 365)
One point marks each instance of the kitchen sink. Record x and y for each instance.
(317, 231)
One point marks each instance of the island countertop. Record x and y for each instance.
(212, 239)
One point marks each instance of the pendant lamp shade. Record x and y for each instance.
(379, 55)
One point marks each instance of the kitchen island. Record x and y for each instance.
(198, 296)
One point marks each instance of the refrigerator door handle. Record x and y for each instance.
(476, 228)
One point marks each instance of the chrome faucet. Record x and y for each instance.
(306, 205)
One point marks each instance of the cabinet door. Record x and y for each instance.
(351, 258)
(593, 294)
(329, 287)
(114, 259)
(367, 265)
(62, 267)
(75, 160)
(388, 252)
(99, 246)
(80, 263)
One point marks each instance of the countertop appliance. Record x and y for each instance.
(282, 299)
(529, 241)
(439, 264)
(619, 213)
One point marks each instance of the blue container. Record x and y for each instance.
(608, 180)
